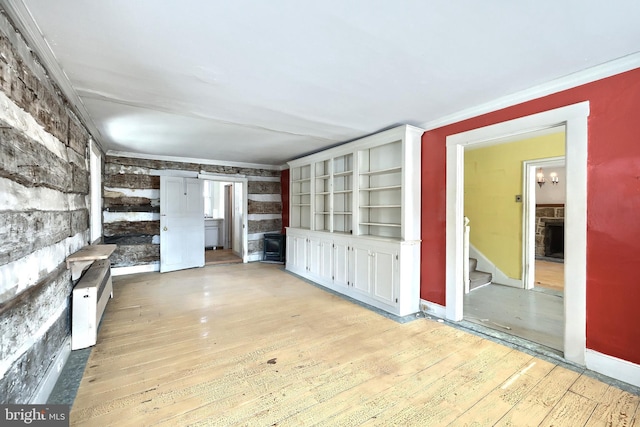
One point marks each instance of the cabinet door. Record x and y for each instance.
(341, 263)
(315, 256)
(360, 268)
(297, 248)
(383, 275)
(326, 263)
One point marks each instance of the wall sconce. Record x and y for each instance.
(540, 178)
(554, 178)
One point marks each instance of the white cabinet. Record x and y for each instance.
(341, 254)
(382, 273)
(355, 219)
(320, 261)
(297, 252)
(212, 232)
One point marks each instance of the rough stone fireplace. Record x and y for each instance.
(550, 231)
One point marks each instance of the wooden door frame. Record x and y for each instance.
(574, 117)
(245, 196)
(529, 168)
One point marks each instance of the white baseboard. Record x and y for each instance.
(53, 373)
(485, 264)
(433, 308)
(613, 367)
(135, 269)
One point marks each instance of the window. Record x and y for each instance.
(213, 199)
(95, 170)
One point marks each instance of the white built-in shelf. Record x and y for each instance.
(387, 187)
(379, 224)
(301, 204)
(382, 171)
(342, 191)
(381, 206)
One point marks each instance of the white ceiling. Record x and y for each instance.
(267, 81)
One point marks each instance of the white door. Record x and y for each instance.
(181, 223)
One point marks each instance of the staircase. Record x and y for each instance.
(477, 278)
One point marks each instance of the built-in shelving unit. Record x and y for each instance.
(355, 219)
(300, 197)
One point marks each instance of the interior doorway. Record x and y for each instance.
(225, 204)
(574, 117)
(499, 194)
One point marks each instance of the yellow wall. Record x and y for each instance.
(493, 177)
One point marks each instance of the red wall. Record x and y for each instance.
(613, 207)
(284, 190)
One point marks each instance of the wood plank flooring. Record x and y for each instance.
(220, 256)
(249, 344)
(549, 275)
(534, 316)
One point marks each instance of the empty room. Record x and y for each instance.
(329, 213)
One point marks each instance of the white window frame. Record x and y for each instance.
(95, 204)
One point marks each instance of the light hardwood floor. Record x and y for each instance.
(534, 316)
(249, 344)
(549, 275)
(220, 256)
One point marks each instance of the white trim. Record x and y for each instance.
(433, 308)
(26, 24)
(110, 217)
(613, 367)
(529, 215)
(575, 119)
(589, 75)
(191, 160)
(485, 264)
(53, 373)
(173, 172)
(95, 191)
(135, 269)
(236, 179)
(219, 176)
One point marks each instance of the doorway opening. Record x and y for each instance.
(224, 218)
(574, 118)
(499, 192)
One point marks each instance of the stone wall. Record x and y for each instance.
(132, 206)
(544, 213)
(44, 216)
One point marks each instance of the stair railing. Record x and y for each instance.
(465, 254)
